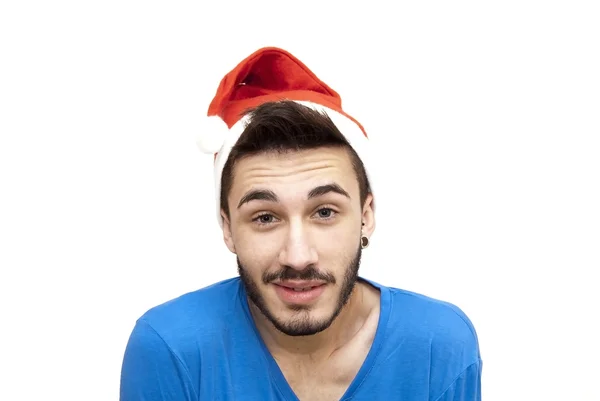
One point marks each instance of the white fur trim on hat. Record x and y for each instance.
(211, 135)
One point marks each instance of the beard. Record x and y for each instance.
(301, 324)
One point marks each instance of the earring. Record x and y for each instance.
(364, 241)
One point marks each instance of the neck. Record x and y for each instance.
(321, 345)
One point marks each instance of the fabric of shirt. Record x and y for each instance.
(204, 346)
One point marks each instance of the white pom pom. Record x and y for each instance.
(212, 134)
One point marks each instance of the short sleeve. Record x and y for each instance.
(151, 371)
(466, 387)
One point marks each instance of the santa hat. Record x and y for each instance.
(270, 74)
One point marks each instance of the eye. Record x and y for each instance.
(265, 218)
(325, 213)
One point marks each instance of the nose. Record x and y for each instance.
(298, 251)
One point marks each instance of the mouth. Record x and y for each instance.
(299, 293)
(301, 289)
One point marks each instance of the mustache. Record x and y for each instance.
(288, 273)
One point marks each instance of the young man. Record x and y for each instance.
(296, 205)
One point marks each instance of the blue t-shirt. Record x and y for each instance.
(204, 346)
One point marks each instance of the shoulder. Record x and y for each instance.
(436, 333)
(200, 313)
(161, 357)
(442, 322)
(430, 315)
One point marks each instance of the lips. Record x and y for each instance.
(300, 289)
(300, 285)
(299, 293)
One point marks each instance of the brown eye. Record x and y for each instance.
(264, 219)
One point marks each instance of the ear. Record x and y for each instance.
(227, 235)
(368, 217)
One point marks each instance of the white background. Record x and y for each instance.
(485, 116)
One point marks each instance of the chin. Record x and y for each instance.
(302, 323)
(299, 320)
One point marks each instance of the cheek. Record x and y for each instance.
(338, 236)
(337, 246)
(257, 252)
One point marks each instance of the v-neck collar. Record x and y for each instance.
(279, 380)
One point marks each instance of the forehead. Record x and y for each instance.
(294, 171)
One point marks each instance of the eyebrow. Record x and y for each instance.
(325, 189)
(269, 196)
(258, 194)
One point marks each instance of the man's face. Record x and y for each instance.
(295, 225)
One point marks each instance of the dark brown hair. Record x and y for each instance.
(285, 126)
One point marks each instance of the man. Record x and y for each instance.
(296, 206)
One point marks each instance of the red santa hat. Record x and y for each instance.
(270, 74)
